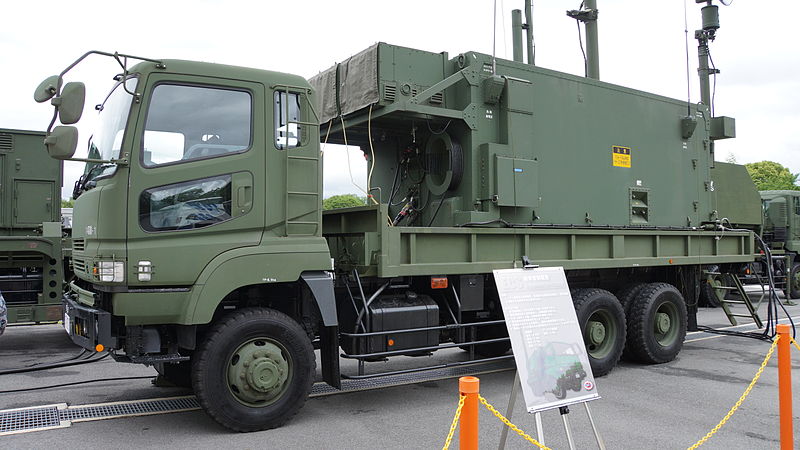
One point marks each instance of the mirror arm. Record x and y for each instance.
(114, 55)
(119, 162)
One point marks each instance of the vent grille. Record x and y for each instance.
(437, 99)
(79, 265)
(6, 142)
(78, 245)
(389, 92)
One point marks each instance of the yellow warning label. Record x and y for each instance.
(620, 156)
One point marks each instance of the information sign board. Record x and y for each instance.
(546, 338)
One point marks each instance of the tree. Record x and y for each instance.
(67, 203)
(343, 201)
(769, 175)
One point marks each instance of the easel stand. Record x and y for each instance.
(563, 410)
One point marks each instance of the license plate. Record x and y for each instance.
(67, 324)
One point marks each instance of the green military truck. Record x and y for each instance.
(781, 232)
(774, 215)
(200, 245)
(31, 258)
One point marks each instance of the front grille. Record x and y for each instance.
(78, 245)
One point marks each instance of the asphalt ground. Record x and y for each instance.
(658, 406)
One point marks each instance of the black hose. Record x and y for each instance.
(88, 360)
(39, 388)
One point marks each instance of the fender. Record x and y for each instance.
(248, 266)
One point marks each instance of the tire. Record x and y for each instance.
(602, 322)
(266, 393)
(628, 293)
(793, 283)
(709, 296)
(179, 374)
(656, 325)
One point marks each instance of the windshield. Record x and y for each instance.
(107, 139)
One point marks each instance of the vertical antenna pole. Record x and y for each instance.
(592, 46)
(529, 32)
(516, 34)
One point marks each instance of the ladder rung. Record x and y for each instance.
(742, 315)
(735, 301)
(713, 273)
(301, 193)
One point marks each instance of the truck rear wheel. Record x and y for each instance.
(627, 294)
(254, 370)
(793, 282)
(656, 325)
(602, 322)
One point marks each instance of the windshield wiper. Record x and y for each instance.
(86, 181)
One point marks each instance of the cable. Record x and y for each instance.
(67, 363)
(347, 150)
(714, 74)
(53, 386)
(580, 42)
(372, 151)
(440, 131)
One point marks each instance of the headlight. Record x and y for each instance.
(110, 271)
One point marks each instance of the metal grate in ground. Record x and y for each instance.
(38, 418)
(22, 420)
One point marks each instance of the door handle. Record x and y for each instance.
(243, 194)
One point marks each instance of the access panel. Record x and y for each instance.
(33, 202)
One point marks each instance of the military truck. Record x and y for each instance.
(771, 214)
(200, 245)
(781, 232)
(31, 258)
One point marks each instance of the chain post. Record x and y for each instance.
(785, 385)
(469, 387)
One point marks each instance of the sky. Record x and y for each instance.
(641, 46)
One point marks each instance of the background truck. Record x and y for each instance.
(200, 245)
(774, 215)
(32, 263)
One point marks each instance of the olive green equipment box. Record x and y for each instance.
(31, 260)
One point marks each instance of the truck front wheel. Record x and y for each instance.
(254, 370)
(793, 282)
(602, 322)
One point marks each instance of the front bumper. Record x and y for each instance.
(87, 327)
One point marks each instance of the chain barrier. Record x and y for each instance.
(693, 447)
(511, 425)
(741, 399)
(797, 346)
(455, 423)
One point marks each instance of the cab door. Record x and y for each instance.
(195, 190)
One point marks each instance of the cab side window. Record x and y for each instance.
(186, 206)
(186, 123)
(796, 203)
(287, 115)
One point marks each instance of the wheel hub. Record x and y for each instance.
(663, 323)
(258, 372)
(597, 332)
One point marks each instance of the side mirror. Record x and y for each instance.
(46, 89)
(70, 102)
(62, 142)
